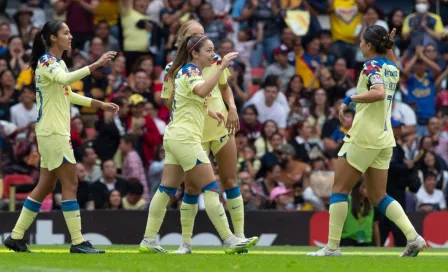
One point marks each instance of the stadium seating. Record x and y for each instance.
(14, 180)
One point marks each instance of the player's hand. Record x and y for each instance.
(110, 107)
(227, 59)
(342, 109)
(217, 116)
(106, 57)
(233, 121)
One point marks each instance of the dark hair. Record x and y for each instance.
(251, 107)
(186, 48)
(271, 81)
(139, 71)
(313, 105)
(288, 88)
(379, 38)
(157, 155)
(264, 136)
(136, 68)
(357, 202)
(104, 161)
(430, 173)
(15, 37)
(307, 40)
(391, 24)
(108, 199)
(120, 101)
(42, 41)
(296, 127)
(376, 9)
(134, 187)
(130, 139)
(324, 32)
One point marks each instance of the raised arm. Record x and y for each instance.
(61, 6)
(441, 78)
(409, 65)
(91, 7)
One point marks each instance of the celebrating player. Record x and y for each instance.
(54, 96)
(217, 140)
(184, 154)
(368, 144)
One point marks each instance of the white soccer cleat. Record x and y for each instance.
(150, 246)
(237, 245)
(324, 252)
(184, 248)
(414, 247)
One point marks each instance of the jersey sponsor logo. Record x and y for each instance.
(388, 73)
(421, 93)
(376, 79)
(66, 91)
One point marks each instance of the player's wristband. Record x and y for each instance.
(347, 100)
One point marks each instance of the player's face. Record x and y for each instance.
(206, 54)
(64, 39)
(365, 48)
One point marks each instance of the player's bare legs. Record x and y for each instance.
(172, 177)
(31, 207)
(376, 181)
(345, 179)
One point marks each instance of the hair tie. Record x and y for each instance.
(191, 49)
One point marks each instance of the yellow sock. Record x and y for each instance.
(187, 215)
(236, 210)
(396, 214)
(157, 210)
(29, 212)
(338, 214)
(72, 215)
(215, 210)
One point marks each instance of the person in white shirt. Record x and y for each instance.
(428, 197)
(24, 114)
(269, 108)
(404, 114)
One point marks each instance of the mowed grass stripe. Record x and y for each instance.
(253, 252)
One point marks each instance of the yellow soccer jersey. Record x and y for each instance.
(214, 100)
(372, 126)
(189, 110)
(54, 95)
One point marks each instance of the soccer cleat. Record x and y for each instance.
(86, 248)
(185, 248)
(16, 245)
(414, 247)
(324, 252)
(235, 245)
(150, 246)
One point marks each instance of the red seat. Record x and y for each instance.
(257, 73)
(17, 180)
(352, 73)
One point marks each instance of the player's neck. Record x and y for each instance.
(198, 65)
(56, 52)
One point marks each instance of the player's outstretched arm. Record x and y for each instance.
(375, 94)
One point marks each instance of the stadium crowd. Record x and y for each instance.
(288, 84)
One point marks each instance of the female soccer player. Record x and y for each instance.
(368, 144)
(217, 140)
(184, 154)
(54, 96)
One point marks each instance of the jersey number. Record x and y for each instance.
(389, 97)
(41, 100)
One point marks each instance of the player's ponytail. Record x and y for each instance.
(42, 41)
(184, 52)
(378, 37)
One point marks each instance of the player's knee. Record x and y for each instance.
(191, 190)
(228, 182)
(375, 197)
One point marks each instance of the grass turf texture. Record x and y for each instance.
(272, 259)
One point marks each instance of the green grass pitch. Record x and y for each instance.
(209, 259)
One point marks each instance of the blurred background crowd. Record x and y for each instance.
(298, 59)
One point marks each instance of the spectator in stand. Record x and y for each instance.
(245, 178)
(110, 129)
(292, 171)
(282, 199)
(83, 195)
(78, 135)
(281, 68)
(345, 15)
(5, 33)
(396, 20)
(439, 137)
(319, 112)
(431, 52)
(103, 187)
(241, 140)
(361, 228)
(107, 15)
(250, 124)
(114, 201)
(248, 162)
(152, 111)
(422, 27)
(175, 12)
(214, 28)
(305, 150)
(156, 169)
(136, 30)
(421, 87)
(8, 94)
(309, 61)
(403, 113)
(266, 12)
(249, 198)
(144, 127)
(79, 19)
(38, 18)
(330, 147)
(15, 56)
(133, 165)
(239, 84)
(327, 57)
(344, 80)
(334, 143)
(88, 160)
(23, 22)
(271, 158)
(429, 198)
(142, 85)
(269, 108)
(134, 199)
(290, 40)
(264, 185)
(146, 64)
(118, 69)
(103, 31)
(24, 114)
(431, 162)
(245, 46)
(262, 143)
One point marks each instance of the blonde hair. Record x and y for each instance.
(181, 34)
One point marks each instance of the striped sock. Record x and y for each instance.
(29, 212)
(188, 211)
(235, 205)
(393, 210)
(157, 210)
(72, 215)
(338, 214)
(215, 210)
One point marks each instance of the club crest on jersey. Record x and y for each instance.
(66, 91)
(370, 67)
(46, 60)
